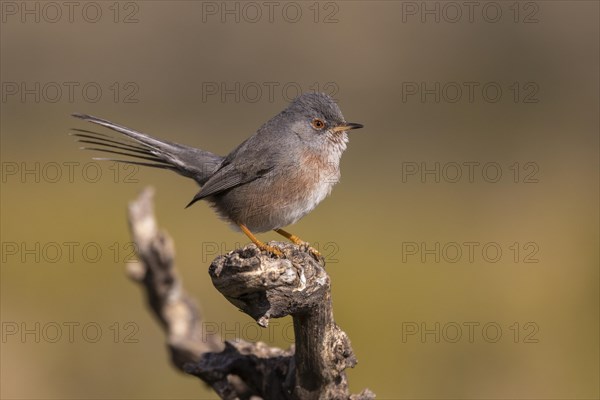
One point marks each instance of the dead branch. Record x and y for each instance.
(263, 287)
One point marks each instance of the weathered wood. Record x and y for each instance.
(174, 308)
(263, 287)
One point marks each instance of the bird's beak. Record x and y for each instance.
(347, 126)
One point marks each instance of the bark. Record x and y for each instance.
(263, 287)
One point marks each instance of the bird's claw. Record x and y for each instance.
(273, 250)
(313, 252)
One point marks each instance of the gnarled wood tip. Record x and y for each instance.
(267, 287)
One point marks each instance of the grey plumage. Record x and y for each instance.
(272, 179)
(185, 160)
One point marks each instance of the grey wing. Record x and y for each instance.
(228, 177)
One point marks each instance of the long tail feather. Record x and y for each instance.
(185, 160)
(121, 153)
(131, 145)
(162, 166)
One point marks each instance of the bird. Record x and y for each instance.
(271, 180)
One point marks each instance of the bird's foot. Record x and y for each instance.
(262, 246)
(313, 252)
(305, 246)
(271, 249)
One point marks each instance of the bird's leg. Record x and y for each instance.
(258, 243)
(296, 240)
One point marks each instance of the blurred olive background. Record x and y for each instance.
(518, 324)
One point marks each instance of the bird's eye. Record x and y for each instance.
(318, 124)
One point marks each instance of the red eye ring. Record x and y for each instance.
(318, 124)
